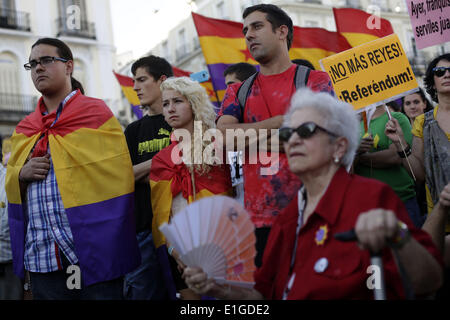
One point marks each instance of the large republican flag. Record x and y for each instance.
(354, 25)
(223, 44)
(95, 180)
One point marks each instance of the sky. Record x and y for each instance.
(138, 25)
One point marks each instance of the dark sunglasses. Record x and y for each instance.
(440, 71)
(304, 131)
(44, 61)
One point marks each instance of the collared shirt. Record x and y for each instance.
(5, 241)
(325, 268)
(48, 230)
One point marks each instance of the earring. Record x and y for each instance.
(336, 160)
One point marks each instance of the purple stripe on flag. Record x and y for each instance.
(17, 227)
(137, 111)
(216, 73)
(104, 234)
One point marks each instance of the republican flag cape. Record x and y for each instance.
(169, 179)
(352, 24)
(95, 179)
(223, 44)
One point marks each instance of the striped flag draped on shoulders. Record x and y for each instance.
(95, 180)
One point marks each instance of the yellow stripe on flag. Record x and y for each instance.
(356, 39)
(131, 95)
(84, 165)
(161, 196)
(225, 50)
(22, 148)
(221, 94)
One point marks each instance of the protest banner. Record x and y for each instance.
(430, 20)
(371, 74)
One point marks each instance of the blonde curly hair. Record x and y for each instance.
(202, 109)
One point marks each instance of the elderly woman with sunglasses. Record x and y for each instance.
(303, 260)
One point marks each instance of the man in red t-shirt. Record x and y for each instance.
(268, 32)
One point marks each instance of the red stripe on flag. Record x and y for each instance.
(216, 27)
(318, 38)
(180, 73)
(355, 20)
(124, 80)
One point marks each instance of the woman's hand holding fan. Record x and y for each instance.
(217, 235)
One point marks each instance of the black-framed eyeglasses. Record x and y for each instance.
(43, 61)
(304, 131)
(440, 71)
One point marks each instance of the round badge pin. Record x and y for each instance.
(321, 265)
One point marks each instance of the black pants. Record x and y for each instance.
(53, 286)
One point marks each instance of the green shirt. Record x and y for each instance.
(397, 176)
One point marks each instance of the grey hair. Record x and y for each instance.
(340, 118)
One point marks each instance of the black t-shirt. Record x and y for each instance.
(145, 138)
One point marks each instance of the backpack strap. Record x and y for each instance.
(300, 81)
(243, 91)
(301, 76)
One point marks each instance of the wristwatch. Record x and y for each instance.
(406, 153)
(402, 237)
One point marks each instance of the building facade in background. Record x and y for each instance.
(85, 26)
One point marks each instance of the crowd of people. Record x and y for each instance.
(82, 195)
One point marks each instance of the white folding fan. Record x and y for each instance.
(216, 234)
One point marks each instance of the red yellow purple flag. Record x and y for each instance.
(223, 44)
(177, 72)
(127, 84)
(355, 24)
(314, 44)
(169, 179)
(95, 180)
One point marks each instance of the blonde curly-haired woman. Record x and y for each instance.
(185, 171)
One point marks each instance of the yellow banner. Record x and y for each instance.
(371, 74)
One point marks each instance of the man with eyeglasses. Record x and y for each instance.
(268, 32)
(70, 188)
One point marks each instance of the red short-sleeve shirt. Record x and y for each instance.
(265, 195)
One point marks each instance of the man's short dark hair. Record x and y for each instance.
(155, 66)
(241, 70)
(429, 76)
(303, 62)
(276, 16)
